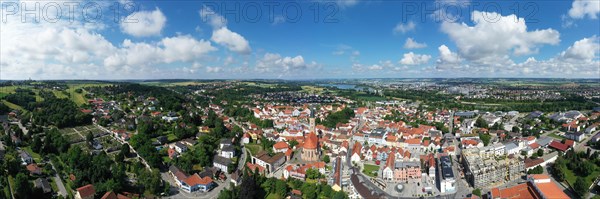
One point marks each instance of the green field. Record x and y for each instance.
(370, 170)
(254, 148)
(571, 177)
(555, 136)
(35, 155)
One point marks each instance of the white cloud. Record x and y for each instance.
(144, 23)
(447, 57)
(583, 8)
(279, 19)
(403, 28)
(412, 44)
(494, 37)
(273, 62)
(414, 59)
(584, 50)
(233, 41)
(213, 69)
(222, 35)
(375, 67)
(212, 18)
(346, 3)
(229, 60)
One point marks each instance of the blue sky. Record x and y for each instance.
(327, 39)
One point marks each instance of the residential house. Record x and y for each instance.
(25, 158)
(222, 163)
(42, 183)
(227, 151)
(180, 147)
(280, 147)
(85, 192)
(270, 163)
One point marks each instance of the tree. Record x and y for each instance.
(22, 186)
(326, 159)
(37, 144)
(89, 137)
(339, 195)
(249, 189)
(540, 152)
(485, 138)
(477, 192)
(581, 187)
(125, 149)
(481, 123)
(293, 143)
(281, 188)
(536, 170)
(515, 129)
(312, 173)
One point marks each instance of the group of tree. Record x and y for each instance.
(338, 117)
(485, 138)
(256, 186)
(53, 143)
(21, 97)
(536, 170)
(58, 112)
(99, 170)
(581, 164)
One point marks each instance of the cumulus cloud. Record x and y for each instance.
(582, 8)
(447, 57)
(231, 40)
(181, 48)
(412, 44)
(273, 62)
(414, 59)
(493, 37)
(213, 69)
(404, 27)
(144, 23)
(213, 18)
(222, 35)
(584, 50)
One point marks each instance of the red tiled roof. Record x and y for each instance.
(559, 146)
(86, 191)
(311, 141)
(196, 180)
(534, 145)
(281, 145)
(570, 143)
(413, 141)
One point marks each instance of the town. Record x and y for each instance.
(290, 139)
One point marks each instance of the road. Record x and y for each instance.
(62, 191)
(25, 131)
(131, 149)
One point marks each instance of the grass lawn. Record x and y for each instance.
(171, 137)
(273, 196)
(370, 170)
(6, 192)
(571, 177)
(13, 106)
(555, 136)
(35, 155)
(53, 184)
(79, 98)
(254, 148)
(11, 183)
(59, 94)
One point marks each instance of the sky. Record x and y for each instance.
(309, 39)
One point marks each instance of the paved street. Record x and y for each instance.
(62, 191)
